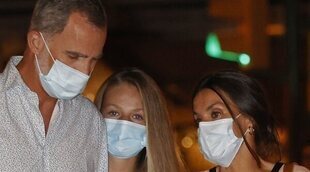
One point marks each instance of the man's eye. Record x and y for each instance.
(73, 57)
(216, 115)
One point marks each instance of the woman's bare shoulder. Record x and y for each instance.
(299, 168)
(295, 168)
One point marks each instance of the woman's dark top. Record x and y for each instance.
(275, 168)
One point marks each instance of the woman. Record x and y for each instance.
(139, 132)
(236, 131)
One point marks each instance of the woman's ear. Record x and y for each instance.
(250, 125)
(246, 125)
(34, 42)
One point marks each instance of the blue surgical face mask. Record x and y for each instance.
(125, 139)
(62, 81)
(218, 142)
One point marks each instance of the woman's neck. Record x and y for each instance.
(243, 161)
(122, 165)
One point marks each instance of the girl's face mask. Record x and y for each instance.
(125, 139)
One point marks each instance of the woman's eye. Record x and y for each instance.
(216, 115)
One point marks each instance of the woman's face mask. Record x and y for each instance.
(218, 142)
(62, 81)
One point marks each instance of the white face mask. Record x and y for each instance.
(218, 142)
(62, 81)
(125, 139)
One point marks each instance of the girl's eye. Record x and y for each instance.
(112, 114)
(138, 117)
(216, 115)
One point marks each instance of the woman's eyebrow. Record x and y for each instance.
(213, 104)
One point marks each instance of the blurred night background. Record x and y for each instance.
(167, 39)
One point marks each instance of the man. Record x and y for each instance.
(45, 124)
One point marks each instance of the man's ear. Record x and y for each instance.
(34, 41)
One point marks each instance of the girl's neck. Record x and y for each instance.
(122, 165)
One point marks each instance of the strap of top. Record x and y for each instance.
(277, 167)
(212, 169)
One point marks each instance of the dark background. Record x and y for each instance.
(166, 38)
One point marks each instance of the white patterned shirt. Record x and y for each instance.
(76, 139)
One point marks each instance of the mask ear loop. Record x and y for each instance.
(253, 152)
(248, 130)
(36, 57)
(238, 116)
(48, 50)
(38, 66)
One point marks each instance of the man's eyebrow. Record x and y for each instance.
(77, 54)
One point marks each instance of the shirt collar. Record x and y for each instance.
(13, 77)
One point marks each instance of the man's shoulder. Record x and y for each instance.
(80, 109)
(85, 101)
(1, 82)
(4, 82)
(83, 104)
(9, 77)
(82, 99)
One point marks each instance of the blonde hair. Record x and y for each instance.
(160, 151)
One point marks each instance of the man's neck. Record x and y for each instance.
(29, 74)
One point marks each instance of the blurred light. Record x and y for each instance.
(212, 46)
(229, 56)
(187, 142)
(244, 59)
(275, 29)
(213, 49)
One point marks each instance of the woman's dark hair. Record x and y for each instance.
(248, 95)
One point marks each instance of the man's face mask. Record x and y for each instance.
(62, 81)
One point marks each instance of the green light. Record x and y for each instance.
(213, 49)
(244, 59)
(212, 46)
(229, 56)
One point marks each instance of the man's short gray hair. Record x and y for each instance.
(51, 16)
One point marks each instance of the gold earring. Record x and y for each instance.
(252, 130)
